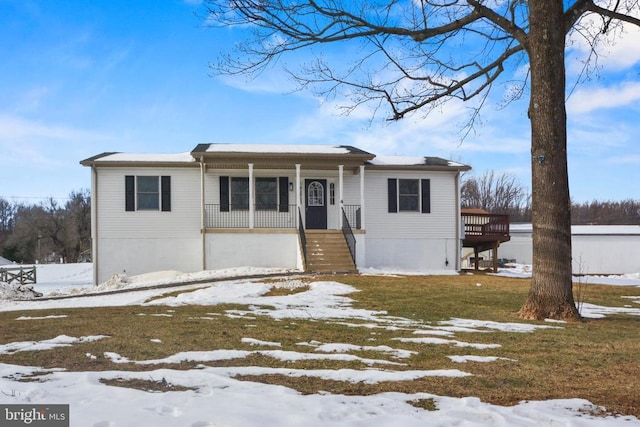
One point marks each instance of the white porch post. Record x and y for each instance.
(298, 194)
(362, 198)
(251, 196)
(340, 188)
(203, 213)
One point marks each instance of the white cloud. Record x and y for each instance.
(619, 50)
(587, 100)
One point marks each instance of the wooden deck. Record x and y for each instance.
(484, 231)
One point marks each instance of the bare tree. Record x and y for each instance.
(495, 194)
(38, 232)
(7, 221)
(414, 55)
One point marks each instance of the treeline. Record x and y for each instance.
(504, 194)
(48, 231)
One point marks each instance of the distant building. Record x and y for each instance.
(4, 261)
(596, 249)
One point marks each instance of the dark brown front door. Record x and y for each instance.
(316, 204)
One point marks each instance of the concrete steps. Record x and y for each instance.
(328, 252)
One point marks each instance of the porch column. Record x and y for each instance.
(362, 198)
(298, 194)
(340, 187)
(251, 196)
(203, 213)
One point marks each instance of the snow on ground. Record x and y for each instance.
(524, 271)
(215, 398)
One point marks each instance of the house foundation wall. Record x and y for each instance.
(414, 255)
(252, 249)
(138, 256)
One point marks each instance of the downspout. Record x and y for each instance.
(94, 223)
(203, 214)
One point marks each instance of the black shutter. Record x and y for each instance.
(165, 191)
(393, 195)
(426, 195)
(283, 183)
(224, 194)
(129, 193)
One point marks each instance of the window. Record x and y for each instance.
(332, 194)
(266, 194)
(240, 194)
(147, 193)
(315, 194)
(409, 195)
(270, 194)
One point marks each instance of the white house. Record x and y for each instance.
(596, 249)
(319, 208)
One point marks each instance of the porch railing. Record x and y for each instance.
(303, 238)
(353, 214)
(238, 216)
(348, 235)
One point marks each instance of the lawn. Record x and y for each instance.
(465, 323)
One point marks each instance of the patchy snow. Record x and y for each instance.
(59, 341)
(394, 272)
(345, 348)
(215, 397)
(439, 341)
(479, 359)
(15, 291)
(253, 341)
(597, 311)
(471, 324)
(53, 316)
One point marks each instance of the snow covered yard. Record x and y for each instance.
(348, 351)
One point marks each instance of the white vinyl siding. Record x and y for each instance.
(182, 221)
(439, 223)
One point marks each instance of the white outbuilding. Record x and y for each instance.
(596, 249)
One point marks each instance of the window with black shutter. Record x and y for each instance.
(147, 193)
(409, 195)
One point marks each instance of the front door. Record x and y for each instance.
(316, 204)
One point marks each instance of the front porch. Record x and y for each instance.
(257, 207)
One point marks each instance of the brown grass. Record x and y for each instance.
(596, 359)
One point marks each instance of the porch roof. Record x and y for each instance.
(280, 156)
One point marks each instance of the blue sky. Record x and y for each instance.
(81, 78)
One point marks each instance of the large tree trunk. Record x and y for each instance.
(551, 294)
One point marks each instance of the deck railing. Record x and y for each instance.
(485, 225)
(238, 216)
